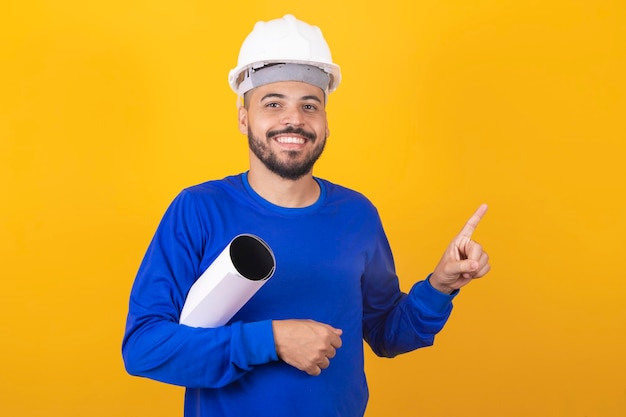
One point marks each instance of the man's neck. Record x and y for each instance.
(282, 192)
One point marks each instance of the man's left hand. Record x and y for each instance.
(463, 260)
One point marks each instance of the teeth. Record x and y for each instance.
(289, 139)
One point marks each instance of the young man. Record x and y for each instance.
(296, 348)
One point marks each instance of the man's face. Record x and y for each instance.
(286, 126)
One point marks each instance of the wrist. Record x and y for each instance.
(446, 289)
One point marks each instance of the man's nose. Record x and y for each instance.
(292, 116)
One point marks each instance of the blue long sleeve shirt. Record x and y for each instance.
(333, 265)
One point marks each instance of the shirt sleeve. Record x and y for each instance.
(155, 345)
(395, 322)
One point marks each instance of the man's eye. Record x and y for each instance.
(271, 104)
(309, 107)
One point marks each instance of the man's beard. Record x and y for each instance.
(289, 170)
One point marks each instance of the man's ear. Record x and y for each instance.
(243, 120)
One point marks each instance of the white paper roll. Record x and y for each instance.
(229, 282)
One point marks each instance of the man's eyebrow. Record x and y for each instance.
(312, 97)
(282, 96)
(272, 95)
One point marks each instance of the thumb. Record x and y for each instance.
(463, 267)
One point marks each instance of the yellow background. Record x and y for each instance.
(109, 108)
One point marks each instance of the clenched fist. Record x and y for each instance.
(306, 344)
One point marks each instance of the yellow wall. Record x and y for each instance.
(109, 108)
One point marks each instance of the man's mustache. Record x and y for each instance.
(297, 131)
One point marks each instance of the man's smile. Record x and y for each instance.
(291, 135)
(291, 139)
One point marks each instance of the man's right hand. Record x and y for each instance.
(306, 344)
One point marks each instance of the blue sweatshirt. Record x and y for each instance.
(333, 265)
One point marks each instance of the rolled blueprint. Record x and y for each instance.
(240, 270)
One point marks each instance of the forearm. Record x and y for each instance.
(196, 357)
(411, 323)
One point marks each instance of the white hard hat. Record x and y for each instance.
(283, 41)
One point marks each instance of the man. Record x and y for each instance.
(296, 348)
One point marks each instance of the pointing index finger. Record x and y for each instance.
(473, 221)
